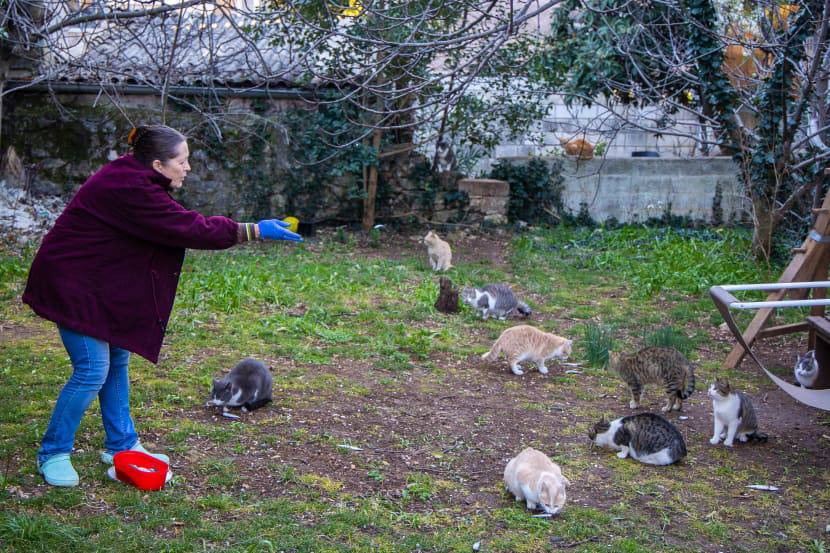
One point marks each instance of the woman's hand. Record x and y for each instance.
(274, 229)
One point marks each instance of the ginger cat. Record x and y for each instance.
(578, 147)
(440, 254)
(524, 342)
(532, 477)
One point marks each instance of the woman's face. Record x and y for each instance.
(176, 168)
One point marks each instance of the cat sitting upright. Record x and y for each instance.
(248, 385)
(806, 369)
(439, 252)
(647, 437)
(531, 476)
(497, 300)
(733, 415)
(524, 342)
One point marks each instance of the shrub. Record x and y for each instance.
(535, 189)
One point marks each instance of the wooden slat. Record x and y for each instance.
(820, 293)
(802, 268)
(783, 329)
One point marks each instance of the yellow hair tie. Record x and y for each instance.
(131, 136)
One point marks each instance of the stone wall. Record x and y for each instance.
(244, 176)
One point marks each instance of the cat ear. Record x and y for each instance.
(566, 481)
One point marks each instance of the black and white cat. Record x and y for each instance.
(806, 369)
(734, 415)
(647, 437)
(444, 158)
(248, 385)
(496, 300)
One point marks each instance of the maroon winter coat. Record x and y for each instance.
(110, 266)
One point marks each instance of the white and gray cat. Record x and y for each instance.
(496, 300)
(647, 437)
(806, 369)
(248, 386)
(444, 157)
(733, 414)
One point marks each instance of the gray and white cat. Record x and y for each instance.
(444, 157)
(647, 437)
(734, 415)
(806, 369)
(248, 385)
(496, 300)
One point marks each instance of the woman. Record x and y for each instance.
(107, 273)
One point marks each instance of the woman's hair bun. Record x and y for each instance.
(136, 134)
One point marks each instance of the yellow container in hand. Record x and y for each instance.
(293, 222)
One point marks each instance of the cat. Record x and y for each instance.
(578, 147)
(734, 415)
(494, 299)
(806, 369)
(647, 437)
(524, 342)
(248, 385)
(532, 477)
(447, 301)
(440, 254)
(656, 365)
(444, 157)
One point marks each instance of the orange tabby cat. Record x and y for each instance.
(524, 342)
(531, 476)
(578, 147)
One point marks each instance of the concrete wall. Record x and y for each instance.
(635, 190)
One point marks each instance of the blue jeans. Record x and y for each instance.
(97, 369)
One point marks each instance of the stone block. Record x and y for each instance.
(484, 187)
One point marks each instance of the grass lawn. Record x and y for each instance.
(360, 357)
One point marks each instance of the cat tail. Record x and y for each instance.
(493, 353)
(524, 309)
(758, 437)
(688, 385)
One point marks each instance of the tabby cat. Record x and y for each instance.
(497, 300)
(647, 437)
(734, 415)
(656, 365)
(524, 342)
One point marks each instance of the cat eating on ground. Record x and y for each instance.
(248, 386)
(656, 365)
(439, 252)
(524, 342)
(734, 415)
(532, 477)
(497, 300)
(646, 437)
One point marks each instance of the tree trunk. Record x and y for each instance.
(765, 221)
(372, 185)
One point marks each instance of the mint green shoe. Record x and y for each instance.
(57, 470)
(106, 456)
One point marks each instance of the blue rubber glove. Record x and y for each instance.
(274, 229)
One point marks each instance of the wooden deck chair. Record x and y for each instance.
(724, 301)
